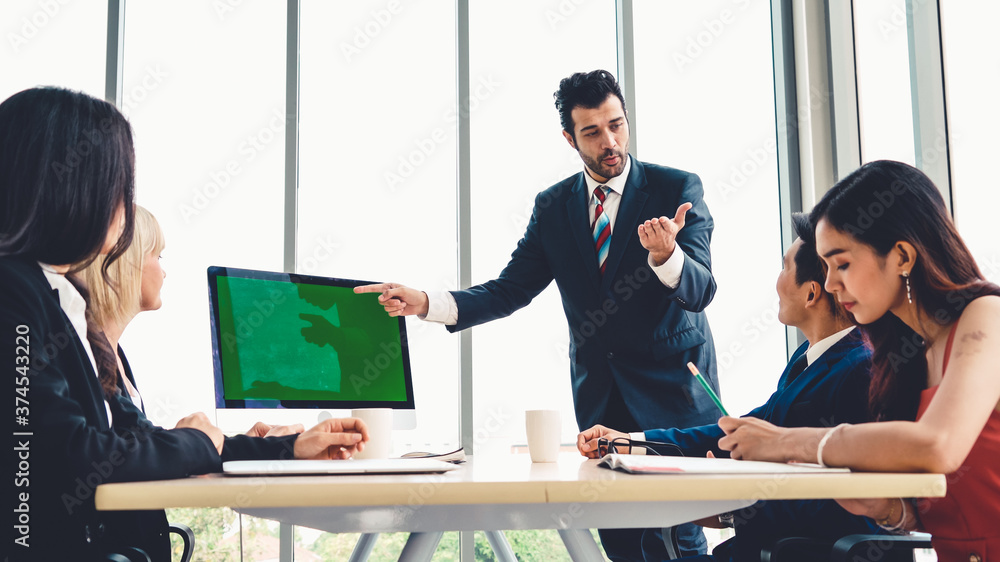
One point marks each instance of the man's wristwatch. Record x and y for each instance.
(727, 519)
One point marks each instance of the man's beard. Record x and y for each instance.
(598, 167)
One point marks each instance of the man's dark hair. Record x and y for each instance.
(808, 265)
(587, 90)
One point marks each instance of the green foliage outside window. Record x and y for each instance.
(218, 533)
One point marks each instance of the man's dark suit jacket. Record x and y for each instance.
(626, 328)
(830, 391)
(71, 450)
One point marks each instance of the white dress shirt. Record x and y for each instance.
(75, 309)
(819, 348)
(441, 305)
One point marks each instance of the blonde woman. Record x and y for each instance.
(135, 281)
(134, 285)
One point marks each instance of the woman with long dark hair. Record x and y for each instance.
(898, 265)
(66, 197)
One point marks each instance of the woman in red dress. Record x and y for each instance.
(897, 264)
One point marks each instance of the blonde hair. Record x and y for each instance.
(120, 301)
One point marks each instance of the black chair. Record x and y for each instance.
(128, 555)
(797, 549)
(186, 535)
(888, 548)
(852, 548)
(131, 554)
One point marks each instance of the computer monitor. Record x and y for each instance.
(303, 342)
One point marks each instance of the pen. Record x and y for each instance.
(708, 389)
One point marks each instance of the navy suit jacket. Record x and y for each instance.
(626, 328)
(830, 391)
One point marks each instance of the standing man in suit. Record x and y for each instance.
(824, 384)
(627, 243)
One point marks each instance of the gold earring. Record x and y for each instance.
(909, 297)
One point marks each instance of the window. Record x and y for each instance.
(972, 77)
(883, 77)
(209, 134)
(53, 44)
(705, 104)
(377, 191)
(518, 150)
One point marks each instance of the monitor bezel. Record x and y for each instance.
(214, 272)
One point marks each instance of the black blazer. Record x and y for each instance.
(64, 444)
(625, 328)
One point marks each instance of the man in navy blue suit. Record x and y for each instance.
(824, 384)
(627, 243)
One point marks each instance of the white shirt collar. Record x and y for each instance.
(616, 184)
(819, 348)
(70, 299)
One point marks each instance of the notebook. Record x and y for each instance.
(350, 466)
(647, 464)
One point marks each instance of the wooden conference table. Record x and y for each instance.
(500, 493)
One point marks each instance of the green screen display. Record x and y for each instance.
(305, 344)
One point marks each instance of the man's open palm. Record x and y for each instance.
(658, 235)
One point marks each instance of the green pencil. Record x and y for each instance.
(708, 389)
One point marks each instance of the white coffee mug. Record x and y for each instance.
(544, 430)
(379, 422)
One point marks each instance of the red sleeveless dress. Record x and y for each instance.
(965, 524)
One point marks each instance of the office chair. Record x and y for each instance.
(879, 547)
(852, 548)
(796, 549)
(132, 554)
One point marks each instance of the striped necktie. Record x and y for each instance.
(601, 228)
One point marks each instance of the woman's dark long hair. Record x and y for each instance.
(880, 204)
(67, 164)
